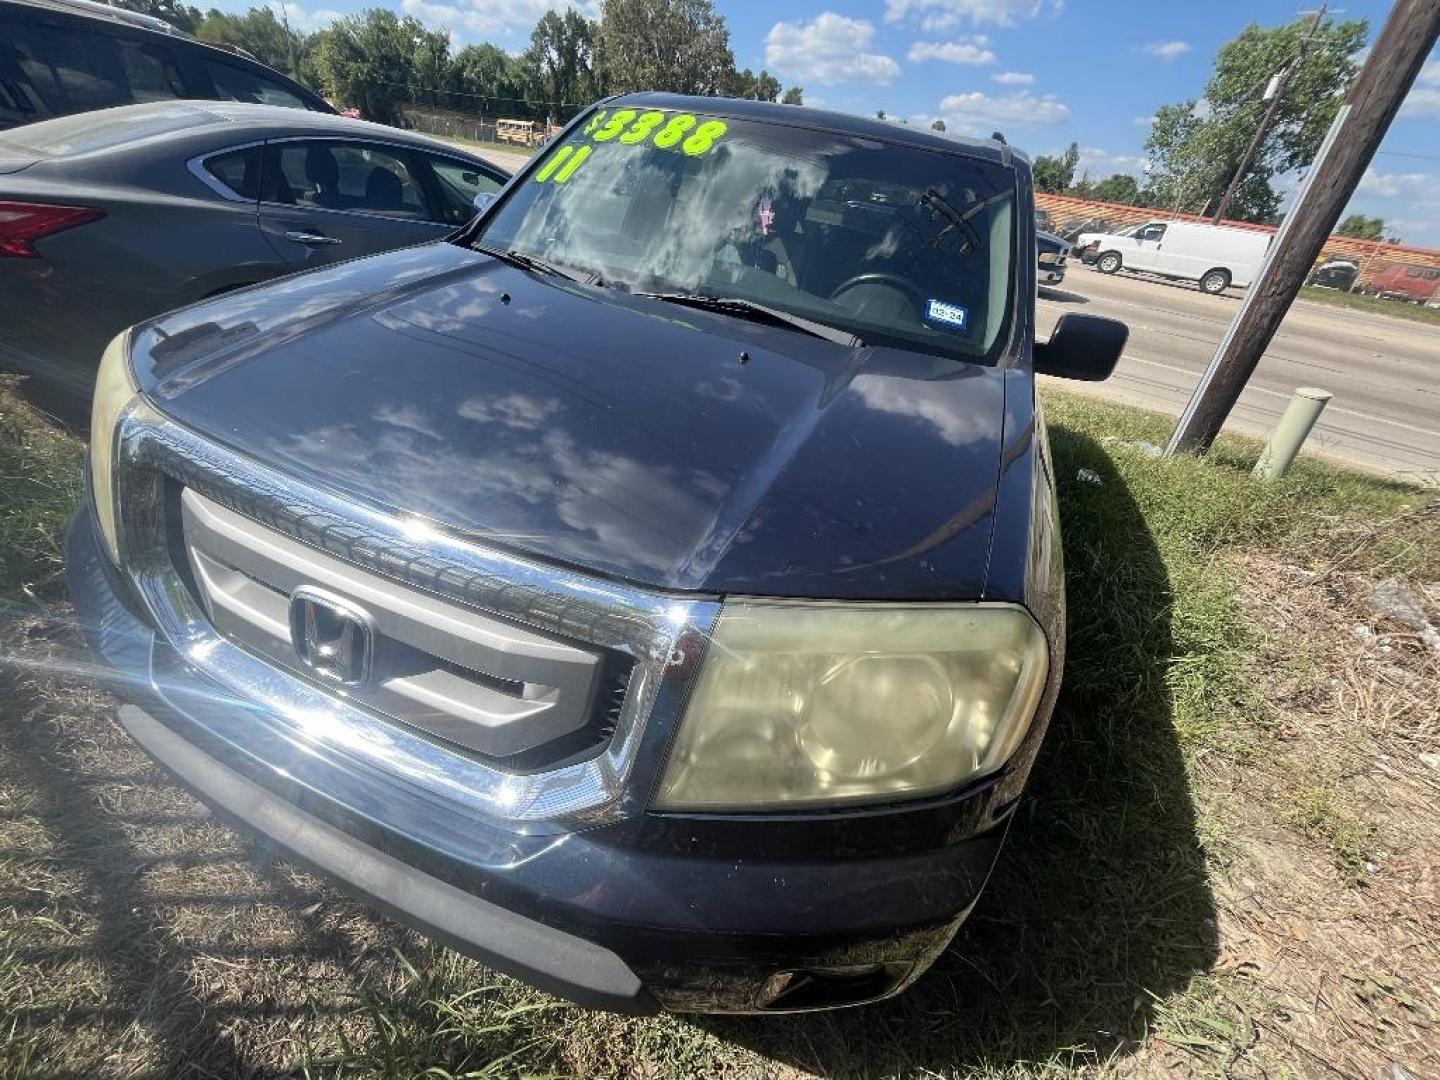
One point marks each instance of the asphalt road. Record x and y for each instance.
(1384, 372)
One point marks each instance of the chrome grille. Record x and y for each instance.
(158, 461)
(477, 682)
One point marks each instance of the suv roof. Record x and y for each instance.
(95, 10)
(823, 120)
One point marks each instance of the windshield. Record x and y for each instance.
(894, 245)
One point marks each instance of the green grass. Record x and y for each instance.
(1094, 940)
(40, 470)
(1400, 309)
(486, 144)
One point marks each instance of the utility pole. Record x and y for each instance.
(1277, 94)
(1399, 53)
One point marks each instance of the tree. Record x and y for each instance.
(1362, 227)
(365, 61)
(1054, 174)
(432, 72)
(258, 32)
(879, 114)
(492, 78)
(678, 45)
(794, 96)
(560, 62)
(746, 84)
(937, 124)
(1118, 188)
(1196, 145)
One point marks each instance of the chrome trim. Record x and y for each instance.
(646, 625)
(196, 165)
(300, 641)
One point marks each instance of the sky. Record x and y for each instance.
(1044, 72)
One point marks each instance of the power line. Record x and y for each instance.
(1417, 157)
(483, 97)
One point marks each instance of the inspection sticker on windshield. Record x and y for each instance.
(938, 311)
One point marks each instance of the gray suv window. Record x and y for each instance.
(151, 73)
(234, 83)
(67, 71)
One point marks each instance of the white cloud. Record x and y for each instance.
(1423, 186)
(1413, 193)
(1424, 97)
(971, 50)
(1166, 50)
(300, 19)
(1014, 78)
(940, 21)
(1143, 121)
(484, 18)
(829, 49)
(939, 15)
(1102, 163)
(980, 113)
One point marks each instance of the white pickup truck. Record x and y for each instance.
(1213, 255)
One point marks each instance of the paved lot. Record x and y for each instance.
(1384, 372)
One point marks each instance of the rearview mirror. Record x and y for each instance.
(1083, 347)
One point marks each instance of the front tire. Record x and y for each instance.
(1108, 262)
(1215, 282)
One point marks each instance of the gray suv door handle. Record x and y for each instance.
(301, 237)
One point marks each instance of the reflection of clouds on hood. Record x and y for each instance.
(520, 411)
(411, 417)
(576, 503)
(958, 417)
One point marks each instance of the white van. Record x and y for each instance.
(1215, 256)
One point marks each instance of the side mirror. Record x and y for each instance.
(1085, 347)
(482, 201)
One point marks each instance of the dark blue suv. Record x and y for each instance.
(653, 590)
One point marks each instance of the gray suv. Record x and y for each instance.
(67, 56)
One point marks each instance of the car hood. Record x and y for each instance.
(663, 445)
(1048, 241)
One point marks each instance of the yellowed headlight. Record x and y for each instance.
(808, 704)
(114, 389)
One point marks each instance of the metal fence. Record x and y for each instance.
(449, 125)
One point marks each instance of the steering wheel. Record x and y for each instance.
(894, 281)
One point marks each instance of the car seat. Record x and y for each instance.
(383, 190)
(322, 172)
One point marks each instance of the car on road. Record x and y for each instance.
(59, 57)
(1070, 232)
(1214, 256)
(1334, 274)
(114, 216)
(1053, 252)
(653, 590)
(1399, 281)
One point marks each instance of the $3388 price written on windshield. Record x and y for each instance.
(630, 127)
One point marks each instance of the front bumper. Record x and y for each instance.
(690, 912)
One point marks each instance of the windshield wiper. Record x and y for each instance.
(537, 265)
(741, 308)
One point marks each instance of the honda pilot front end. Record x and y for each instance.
(653, 591)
